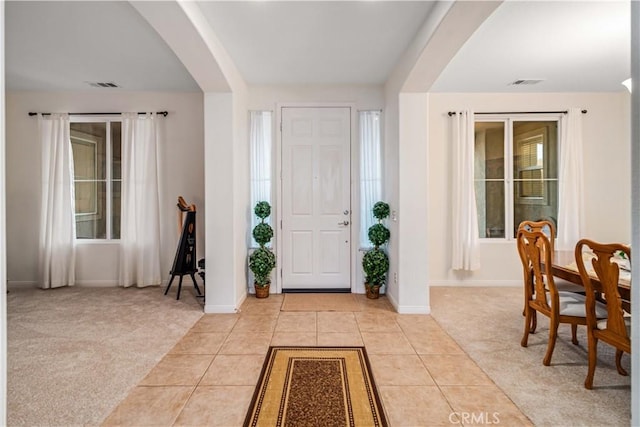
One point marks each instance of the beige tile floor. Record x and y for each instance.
(424, 378)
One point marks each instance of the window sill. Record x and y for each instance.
(496, 240)
(97, 242)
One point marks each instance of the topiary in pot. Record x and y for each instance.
(375, 262)
(262, 261)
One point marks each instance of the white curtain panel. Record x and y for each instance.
(571, 222)
(370, 171)
(57, 222)
(465, 247)
(260, 162)
(140, 222)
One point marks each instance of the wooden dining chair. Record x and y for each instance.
(549, 229)
(542, 295)
(616, 328)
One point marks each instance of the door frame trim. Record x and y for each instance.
(353, 187)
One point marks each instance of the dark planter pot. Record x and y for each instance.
(373, 292)
(262, 291)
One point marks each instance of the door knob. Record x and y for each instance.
(343, 223)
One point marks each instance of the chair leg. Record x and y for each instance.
(574, 332)
(553, 334)
(621, 370)
(593, 357)
(534, 322)
(527, 325)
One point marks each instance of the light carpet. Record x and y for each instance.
(74, 353)
(320, 302)
(488, 324)
(316, 386)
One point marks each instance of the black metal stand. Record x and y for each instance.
(195, 284)
(185, 260)
(201, 272)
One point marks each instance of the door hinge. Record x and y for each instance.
(280, 125)
(280, 224)
(281, 273)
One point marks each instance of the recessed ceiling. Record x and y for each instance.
(569, 45)
(312, 42)
(572, 46)
(53, 45)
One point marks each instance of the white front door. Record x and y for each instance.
(316, 217)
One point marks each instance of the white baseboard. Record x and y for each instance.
(392, 300)
(103, 283)
(242, 299)
(97, 283)
(225, 309)
(414, 309)
(408, 309)
(19, 283)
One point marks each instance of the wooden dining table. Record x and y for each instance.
(564, 267)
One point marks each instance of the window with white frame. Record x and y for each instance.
(260, 162)
(516, 172)
(370, 170)
(96, 146)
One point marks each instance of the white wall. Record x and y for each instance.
(241, 182)
(366, 97)
(391, 186)
(3, 270)
(219, 189)
(181, 153)
(635, 212)
(606, 133)
(413, 205)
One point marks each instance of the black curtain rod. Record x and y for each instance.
(162, 113)
(451, 113)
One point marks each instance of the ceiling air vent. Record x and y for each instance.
(102, 84)
(523, 82)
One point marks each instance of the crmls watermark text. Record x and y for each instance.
(469, 418)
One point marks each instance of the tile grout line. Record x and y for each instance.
(186, 402)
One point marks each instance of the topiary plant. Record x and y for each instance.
(262, 210)
(378, 234)
(375, 262)
(262, 261)
(262, 233)
(381, 210)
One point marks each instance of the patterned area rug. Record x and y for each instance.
(316, 386)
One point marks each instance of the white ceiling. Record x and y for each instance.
(573, 46)
(54, 45)
(274, 42)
